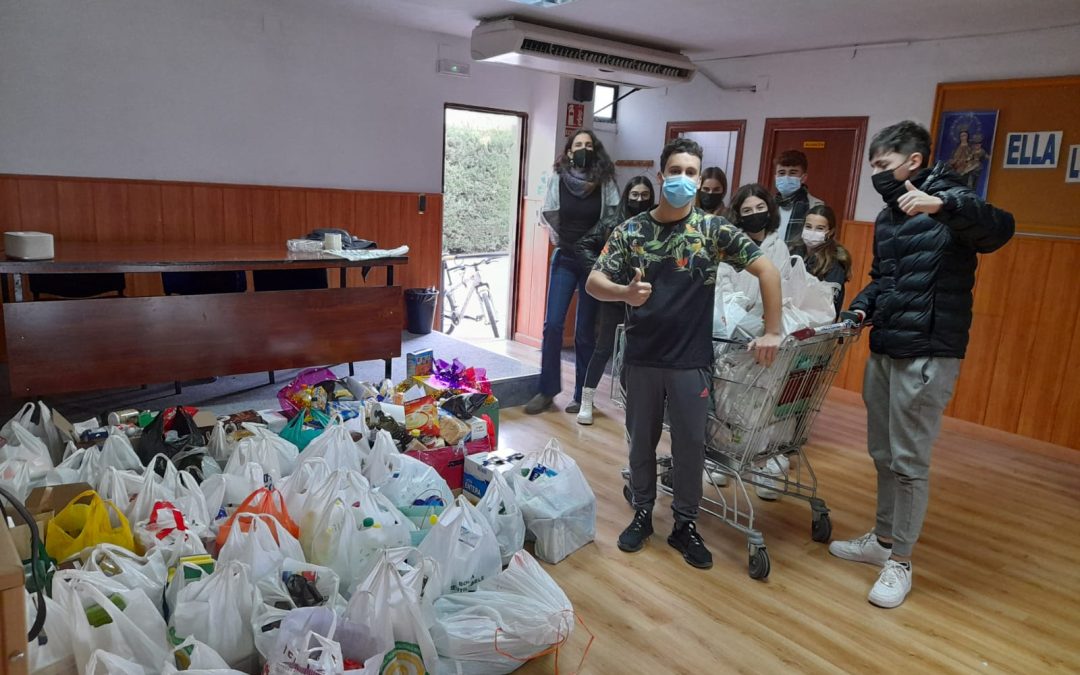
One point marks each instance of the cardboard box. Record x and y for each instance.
(419, 363)
(54, 497)
(21, 532)
(478, 469)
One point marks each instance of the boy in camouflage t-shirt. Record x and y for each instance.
(663, 265)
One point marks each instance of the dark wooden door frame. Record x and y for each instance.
(856, 124)
(675, 128)
(511, 318)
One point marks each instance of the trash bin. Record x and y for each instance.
(420, 309)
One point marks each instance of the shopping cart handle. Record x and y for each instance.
(807, 333)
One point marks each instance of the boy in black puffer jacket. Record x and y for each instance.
(926, 246)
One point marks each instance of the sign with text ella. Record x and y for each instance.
(1032, 150)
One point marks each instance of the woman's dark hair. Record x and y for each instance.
(624, 214)
(755, 190)
(602, 169)
(830, 253)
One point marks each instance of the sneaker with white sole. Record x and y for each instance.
(585, 415)
(717, 478)
(892, 586)
(865, 549)
(772, 490)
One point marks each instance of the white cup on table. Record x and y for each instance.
(331, 242)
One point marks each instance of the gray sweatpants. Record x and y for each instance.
(905, 400)
(686, 393)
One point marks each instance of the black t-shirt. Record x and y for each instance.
(577, 215)
(673, 329)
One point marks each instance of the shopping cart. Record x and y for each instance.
(756, 414)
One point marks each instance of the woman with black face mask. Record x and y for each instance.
(713, 189)
(637, 197)
(580, 196)
(754, 211)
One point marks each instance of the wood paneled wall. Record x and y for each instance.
(119, 210)
(1022, 368)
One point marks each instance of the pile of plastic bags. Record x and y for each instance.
(738, 310)
(344, 557)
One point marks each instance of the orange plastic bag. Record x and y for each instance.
(265, 501)
(87, 520)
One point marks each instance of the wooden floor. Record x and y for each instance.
(996, 572)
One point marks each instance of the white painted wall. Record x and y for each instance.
(888, 85)
(277, 92)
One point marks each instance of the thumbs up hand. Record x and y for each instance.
(637, 291)
(916, 201)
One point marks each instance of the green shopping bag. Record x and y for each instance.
(295, 433)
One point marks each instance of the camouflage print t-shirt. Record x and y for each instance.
(673, 329)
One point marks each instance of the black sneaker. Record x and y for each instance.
(640, 528)
(573, 407)
(686, 540)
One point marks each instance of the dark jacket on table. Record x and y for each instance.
(919, 297)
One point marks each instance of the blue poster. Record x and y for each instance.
(966, 143)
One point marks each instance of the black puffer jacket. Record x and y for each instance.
(919, 297)
(587, 248)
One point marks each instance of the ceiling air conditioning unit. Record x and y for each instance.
(576, 55)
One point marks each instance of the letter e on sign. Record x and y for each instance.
(1032, 150)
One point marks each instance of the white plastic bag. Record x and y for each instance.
(403, 479)
(15, 477)
(200, 657)
(343, 485)
(52, 646)
(387, 609)
(273, 453)
(464, 546)
(262, 545)
(812, 296)
(45, 429)
(219, 446)
(106, 663)
(119, 487)
(117, 452)
(146, 573)
(558, 505)
(227, 491)
(217, 610)
(336, 446)
(499, 506)
(304, 644)
(166, 532)
(83, 466)
(511, 618)
(136, 633)
(308, 477)
(24, 445)
(350, 530)
(177, 487)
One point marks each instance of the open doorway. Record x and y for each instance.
(721, 144)
(483, 153)
(833, 147)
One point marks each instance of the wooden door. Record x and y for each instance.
(834, 153)
(534, 255)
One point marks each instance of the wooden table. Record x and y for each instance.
(79, 345)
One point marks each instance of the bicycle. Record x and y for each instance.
(468, 277)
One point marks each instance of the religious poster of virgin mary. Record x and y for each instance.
(966, 143)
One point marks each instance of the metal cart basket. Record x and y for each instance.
(756, 414)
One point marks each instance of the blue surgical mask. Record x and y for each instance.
(788, 185)
(679, 190)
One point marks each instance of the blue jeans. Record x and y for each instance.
(566, 277)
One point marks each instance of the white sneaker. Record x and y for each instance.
(773, 489)
(717, 478)
(865, 549)
(585, 415)
(892, 585)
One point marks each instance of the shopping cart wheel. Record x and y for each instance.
(759, 563)
(821, 529)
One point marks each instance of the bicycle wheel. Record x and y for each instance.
(450, 320)
(489, 309)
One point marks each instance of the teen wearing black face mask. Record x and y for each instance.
(637, 198)
(754, 211)
(580, 196)
(927, 241)
(714, 186)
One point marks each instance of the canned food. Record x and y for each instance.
(126, 416)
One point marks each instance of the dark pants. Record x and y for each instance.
(565, 278)
(686, 393)
(611, 314)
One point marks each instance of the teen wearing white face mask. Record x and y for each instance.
(825, 258)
